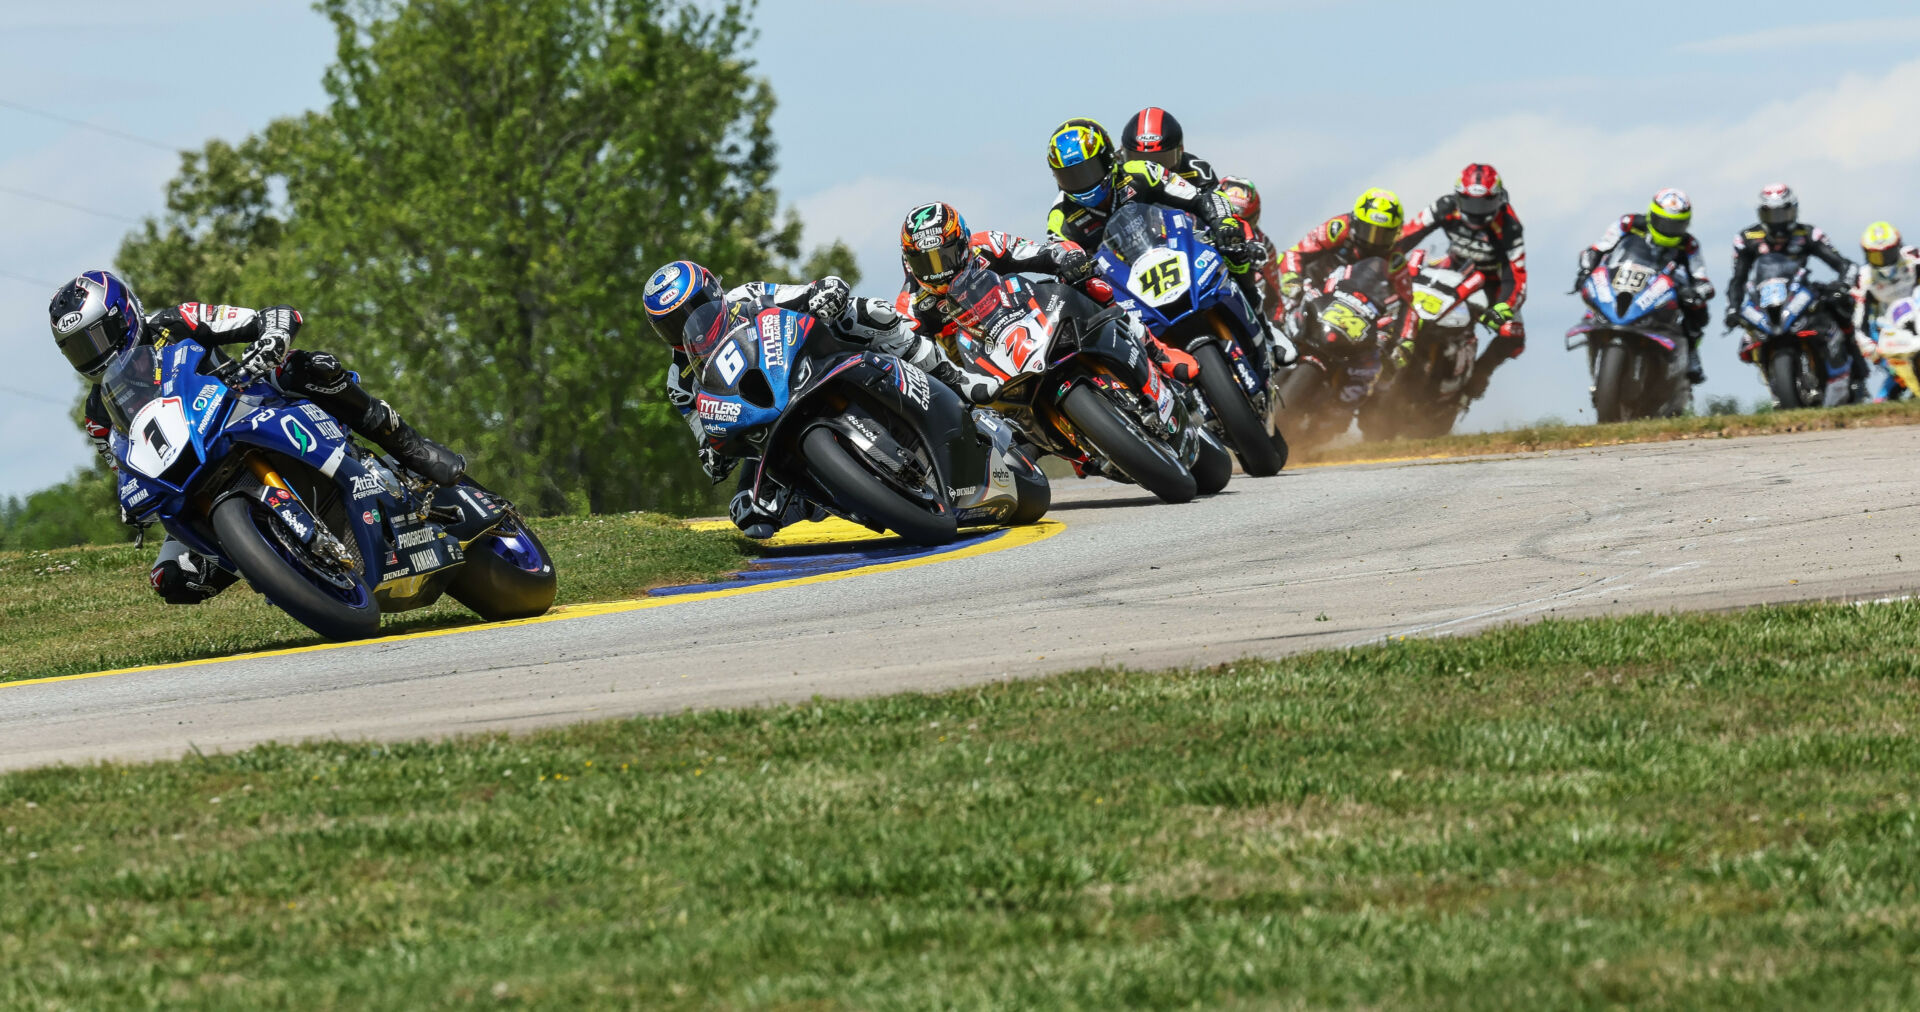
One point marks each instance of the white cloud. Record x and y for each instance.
(1833, 33)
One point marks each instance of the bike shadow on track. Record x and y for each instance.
(808, 550)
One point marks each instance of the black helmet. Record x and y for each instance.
(1154, 135)
(94, 317)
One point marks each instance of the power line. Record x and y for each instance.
(69, 205)
(32, 395)
(95, 127)
(23, 279)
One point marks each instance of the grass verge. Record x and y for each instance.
(1712, 811)
(88, 609)
(1651, 430)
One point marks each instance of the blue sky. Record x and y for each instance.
(1586, 110)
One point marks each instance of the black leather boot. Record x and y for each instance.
(417, 453)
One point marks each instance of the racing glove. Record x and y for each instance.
(827, 298)
(263, 356)
(187, 578)
(1401, 354)
(1732, 317)
(716, 464)
(1072, 265)
(1508, 325)
(1290, 287)
(976, 389)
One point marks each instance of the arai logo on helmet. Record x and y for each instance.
(69, 321)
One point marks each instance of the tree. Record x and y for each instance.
(469, 221)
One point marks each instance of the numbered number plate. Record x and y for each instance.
(1630, 278)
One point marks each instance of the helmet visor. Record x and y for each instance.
(1372, 236)
(1081, 178)
(1482, 208)
(1774, 217)
(1881, 257)
(1167, 158)
(705, 326)
(88, 348)
(1670, 230)
(937, 266)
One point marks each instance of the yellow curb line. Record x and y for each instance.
(830, 532)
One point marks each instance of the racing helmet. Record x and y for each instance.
(1377, 217)
(1081, 156)
(675, 293)
(1669, 216)
(1779, 208)
(1242, 197)
(95, 317)
(1479, 194)
(1880, 246)
(1155, 136)
(934, 245)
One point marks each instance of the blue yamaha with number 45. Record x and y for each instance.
(1173, 277)
(866, 436)
(272, 488)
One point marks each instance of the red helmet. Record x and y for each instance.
(1242, 197)
(1154, 135)
(1479, 193)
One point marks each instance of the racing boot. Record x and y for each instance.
(1498, 352)
(1696, 374)
(761, 521)
(417, 453)
(1174, 363)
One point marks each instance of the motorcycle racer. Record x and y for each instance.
(1665, 225)
(1889, 272)
(671, 295)
(1483, 232)
(96, 316)
(1244, 198)
(1153, 135)
(1094, 184)
(936, 245)
(1779, 230)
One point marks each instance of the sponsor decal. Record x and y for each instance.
(662, 278)
(395, 574)
(915, 384)
(428, 559)
(329, 430)
(365, 485)
(137, 498)
(291, 518)
(297, 434)
(956, 493)
(713, 409)
(413, 539)
(313, 412)
(127, 487)
(369, 517)
(69, 321)
(773, 347)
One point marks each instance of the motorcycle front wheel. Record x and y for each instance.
(862, 492)
(1610, 396)
(1785, 367)
(1146, 460)
(337, 607)
(1261, 454)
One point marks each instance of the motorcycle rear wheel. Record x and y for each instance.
(246, 543)
(864, 493)
(1147, 461)
(496, 587)
(1212, 467)
(1259, 455)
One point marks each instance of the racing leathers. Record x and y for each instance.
(1694, 288)
(1197, 171)
(1325, 249)
(181, 576)
(1873, 292)
(872, 322)
(1141, 180)
(1800, 242)
(1495, 248)
(933, 313)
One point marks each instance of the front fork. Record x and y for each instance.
(295, 518)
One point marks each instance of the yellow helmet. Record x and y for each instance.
(1377, 217)
(1881, 244)
(1668, 217)
(1080, 153)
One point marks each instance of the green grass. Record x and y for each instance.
(1555, 435)
(1681, 812)
(88, 609)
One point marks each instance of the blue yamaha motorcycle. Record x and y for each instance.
(1162, 269)
(869, 437)
(1802, 352)
(1632, 333)
(272, 488)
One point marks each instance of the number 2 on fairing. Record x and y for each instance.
(731, 363)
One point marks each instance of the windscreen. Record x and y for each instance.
(985, 300)
(1134, 230)
(1774, 265)
(130, 382)
(706, 326)
(1635, 249)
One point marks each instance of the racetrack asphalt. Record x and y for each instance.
(1318, 557)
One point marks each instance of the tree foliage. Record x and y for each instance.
(469, 220)
(81, 510)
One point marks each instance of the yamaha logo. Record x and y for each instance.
(69, 321)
